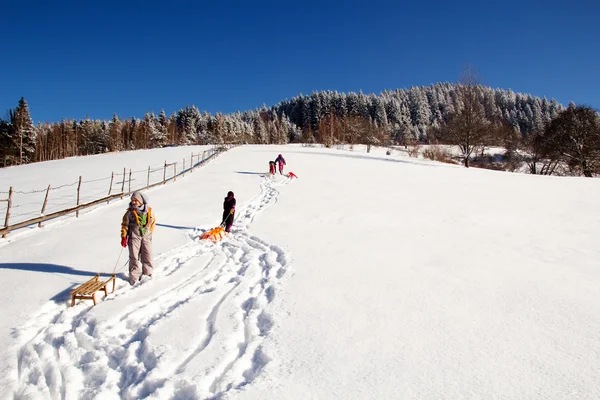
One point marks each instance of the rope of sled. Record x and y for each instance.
(115, 270)
(222, 225)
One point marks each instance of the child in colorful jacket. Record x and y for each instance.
(281, 162)
(136, 230)
(228, 211)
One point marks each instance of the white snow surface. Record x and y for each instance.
(371, 276)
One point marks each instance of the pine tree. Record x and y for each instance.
(23, 131)
(380, 116)
(204, 135)
(94, 135)
(305, 120)
(339, 105)
(392, 110)
(260, 130)
(291, 132)
(352, 104)
(161, 137)
(7, 147)
(538, 117)
(363, 106)
(315, 111)
(115, 127)
(419, 110)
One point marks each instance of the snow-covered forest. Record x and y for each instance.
(416, 111)
(411, 111)
(431, 114)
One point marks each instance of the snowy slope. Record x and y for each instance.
(30, 182)
(370, 276)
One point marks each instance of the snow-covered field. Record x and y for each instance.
(369, 277)
(30, 182)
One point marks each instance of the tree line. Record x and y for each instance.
(565, 141)
(537, 131)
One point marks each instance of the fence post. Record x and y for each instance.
(112, 177)
(165, 173)
(123, 184)
(44, 206)
(8, 211)
(148, 181)
(129, 181)
(192, 162)
(78, 192)
(174, 172)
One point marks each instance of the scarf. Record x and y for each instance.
(141, 216)
(140, 210)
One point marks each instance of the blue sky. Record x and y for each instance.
(72, 59)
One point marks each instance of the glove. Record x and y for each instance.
(124, 241)
(232, 211)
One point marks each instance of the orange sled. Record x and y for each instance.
(214, 234)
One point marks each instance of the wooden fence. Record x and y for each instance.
(201, 161)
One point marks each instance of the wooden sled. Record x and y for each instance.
(87, 291)
(214, 235)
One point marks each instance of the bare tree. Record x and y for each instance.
(373, 135)
(540, 159)
(353, 127)
(308, 137)
(573, 138)
(467, 128)
(331, 129)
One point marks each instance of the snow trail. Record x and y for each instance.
(201, 321)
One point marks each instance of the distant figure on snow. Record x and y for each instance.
(228, 211)
(136, 230)
(280, 162)
(272, 167)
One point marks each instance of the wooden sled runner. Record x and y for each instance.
(214, 234)
(87, 291)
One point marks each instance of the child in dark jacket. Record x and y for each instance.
(228, 211)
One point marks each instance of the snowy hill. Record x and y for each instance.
(369, 277)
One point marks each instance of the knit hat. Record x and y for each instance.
(140, 197)
(230, 194)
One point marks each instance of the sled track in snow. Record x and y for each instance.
(194, 331)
